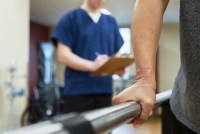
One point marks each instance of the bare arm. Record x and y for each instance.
(146, 28)
(68, 58)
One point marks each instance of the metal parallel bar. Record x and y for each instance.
(101, 121)
(163, 97)
(106, 119)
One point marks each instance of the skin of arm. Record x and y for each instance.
(146, 29)
(68, 58)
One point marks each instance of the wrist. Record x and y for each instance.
(146, 80)
(91, 66)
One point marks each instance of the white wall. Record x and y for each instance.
(14, 44)
(169, 56)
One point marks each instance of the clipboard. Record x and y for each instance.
(113, 65)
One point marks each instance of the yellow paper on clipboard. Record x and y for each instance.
(113, 65)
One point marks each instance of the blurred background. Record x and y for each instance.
(26, 23)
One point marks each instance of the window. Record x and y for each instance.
(126, 35)
(126, 49)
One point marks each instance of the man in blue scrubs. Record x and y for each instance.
(86, 38)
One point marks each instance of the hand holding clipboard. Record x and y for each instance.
(113, 65)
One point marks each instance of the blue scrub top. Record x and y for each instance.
(78, 31)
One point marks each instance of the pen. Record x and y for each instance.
(97, 54)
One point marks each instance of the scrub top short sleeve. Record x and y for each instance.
(64, 31)
(85, 38)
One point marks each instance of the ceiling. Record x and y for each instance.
(48, 12)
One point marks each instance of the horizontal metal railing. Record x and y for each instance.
(93, 122)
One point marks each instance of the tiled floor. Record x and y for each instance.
(152, 126)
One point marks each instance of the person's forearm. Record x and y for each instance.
(73, 61)
(146, 28)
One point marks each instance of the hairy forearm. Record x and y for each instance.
(146, 28)
(68, 58)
